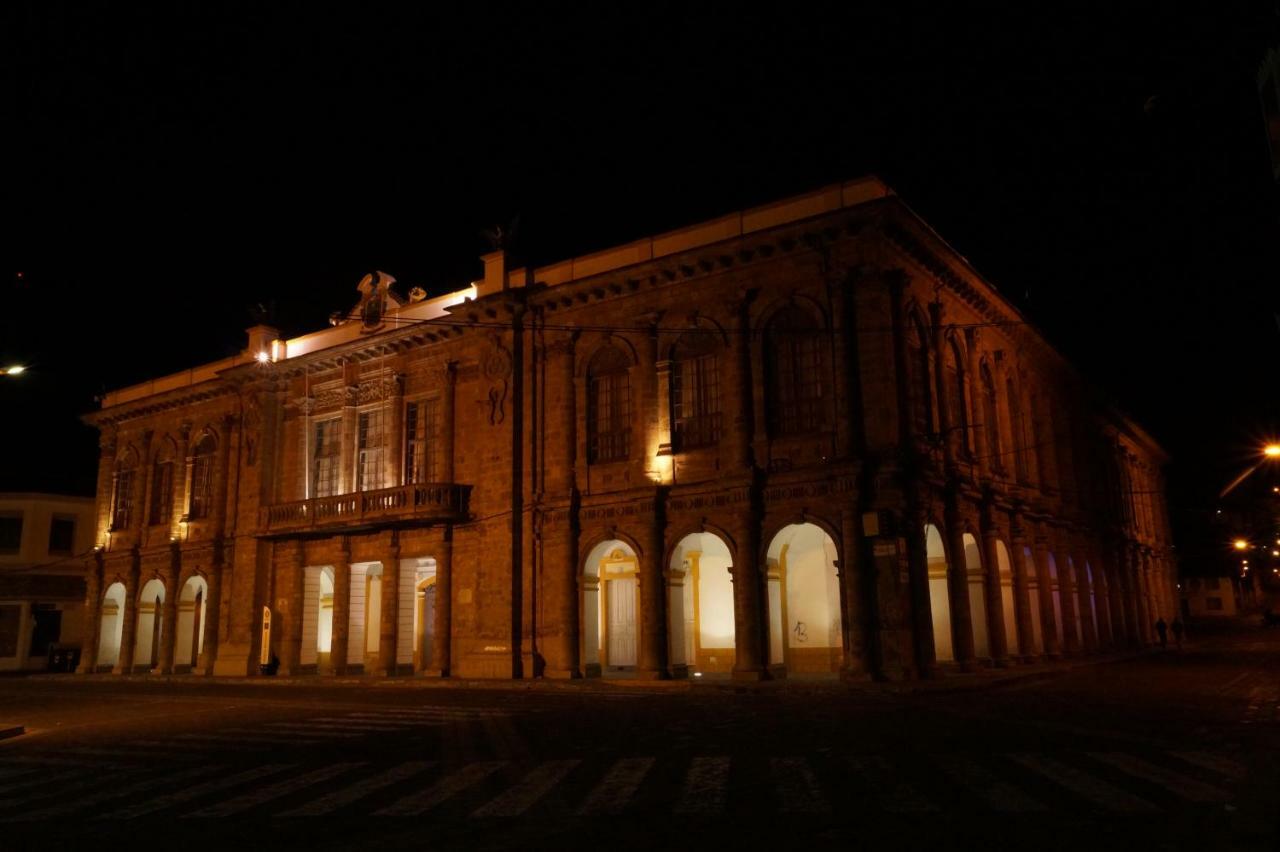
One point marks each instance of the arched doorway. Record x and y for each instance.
(112, 627)
(317, 618)
(1033, 601)
(1093, 604)
(804, 600)
(1055, 592)
(192, 605)
(976, 582)
(610, 608)
(423, 575)
(702, 615)
(1076, 627)
(1005, 567)
(939, 602)
(146, 648)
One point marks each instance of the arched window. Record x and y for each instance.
(162, 484)
(608, 406)
(991, 420)
(793, 348)
(122, 499)
(958, 405)
(921, 394)
(202, 477)
(695, 391)
(1017, 424)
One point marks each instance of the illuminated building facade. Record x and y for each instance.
(803, 438)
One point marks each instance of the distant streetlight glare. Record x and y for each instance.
(1271, 451)
(1240, 544)
(15, 370)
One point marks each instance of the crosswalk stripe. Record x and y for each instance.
(329, 733)
(1221, 765)
(106, 752)
(998, 794)
(187, 794)
(191, 747)
(441, 790)
(531, 788)
(894, 793)
(613, 794)
(273, 790)
(252, 736)
(113, 792)
(348, 724)
(704, 786)
(1083, 784)
(43, 760)
(41, 781)
(360, 789)
(67, 783)
(798, 789)
(1187, 788)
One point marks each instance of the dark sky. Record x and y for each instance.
(171, 168)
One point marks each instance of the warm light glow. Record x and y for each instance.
(1272, 451)
(15, 370)
(1241, 544)
(264, 357)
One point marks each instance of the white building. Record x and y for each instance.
(43, 541)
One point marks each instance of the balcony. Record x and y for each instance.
(429, 502)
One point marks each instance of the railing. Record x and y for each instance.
(421, 501)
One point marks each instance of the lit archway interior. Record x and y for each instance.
(146, 646)
(1006, 598)
(1093, 602)
(610, 607)
(112, 627)
(703, 609)
(1033, 602)
(1055, 593)
(939, 603)
(317, 616)
(976, 582)
(421, 573)
(189, 640)
(804, 600)
(1073, 588)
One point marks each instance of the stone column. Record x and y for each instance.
(169, 624)
(350, 423)
(1102, 594)
(744, 425)
(996, 637)
(749, 662)
(212, 616)
(341, 610)
(653, 662)
(1088, 602)
(443, 632)
(1126, 574)
(129, 612)
(389, 620)
(1048, 618)
(289, 610)
(393, 411)
(1067, 598)
(93, 612)
(958, 588)
(662, 401)
(1021, 598)
(926, 654)
(447, 421)
(856, 615)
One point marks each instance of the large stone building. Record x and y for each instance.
(806, 437)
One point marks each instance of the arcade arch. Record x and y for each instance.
(146, 648)
(610, 607)
(1033, 602)
(939, 602)
(976, 583)
(189, 638)
(805, 629)
(701, 605)
(1005, 566)
(112, 627)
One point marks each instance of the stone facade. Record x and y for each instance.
(444, 486)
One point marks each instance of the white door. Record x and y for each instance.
(622, 622)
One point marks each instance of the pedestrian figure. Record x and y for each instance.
(1177, 632)
(1162, 630)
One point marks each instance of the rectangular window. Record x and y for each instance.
(62, 535)
(123, 509)
(162, 493)
(420, 424)
(695, 399)
(10, 533)
(326, 458)
(370, 450)
(47, 629)
(609, 417)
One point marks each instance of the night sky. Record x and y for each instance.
(170, 169)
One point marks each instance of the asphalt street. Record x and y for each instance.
(1162, 750)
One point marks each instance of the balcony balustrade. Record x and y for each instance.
(420, 502)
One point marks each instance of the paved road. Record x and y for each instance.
(1170, 750)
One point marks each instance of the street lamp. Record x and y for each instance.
(1270, 452)
(18, 370)
(1240, 544)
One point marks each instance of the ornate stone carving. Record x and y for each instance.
(496, 367)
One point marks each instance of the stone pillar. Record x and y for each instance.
(926, 653)
(212, 615)
(1048, 618)
(169, 624)
(129, 632)
(350, 424)
(289, 610)
(996, 637)
(1067, 582)
(393, 411)
(93, 612)
(662, 402)
(1102, 594)
(856, 616)
(652, 661)
(958, 588)
(443, 634)
(1021, 598)
(748, 583)
(447, 421)
(1127, 586)
(389, 620)
(1087, 601)
(341, 610)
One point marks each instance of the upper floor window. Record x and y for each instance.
(371, 446)
(202, 477)
(608, 406)
(420, 425)
(162, 485)
(991, 420)
(10, 533)
(695, 391)
(62, 534)
(1018, 426)
(921, 376)
(793, 349)
(958, 399)
(326, 458)
(122, 499)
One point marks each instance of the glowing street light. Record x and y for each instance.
(1271, 451)
(15, 370)
(1240, 544)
